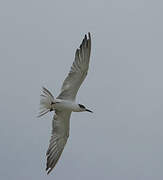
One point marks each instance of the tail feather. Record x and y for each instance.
(47, 92)
(46, 102)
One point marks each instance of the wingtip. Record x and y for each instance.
(85, 37)
(48, 170)
(89, 35)
(89, 39)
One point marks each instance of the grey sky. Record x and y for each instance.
(122, 140)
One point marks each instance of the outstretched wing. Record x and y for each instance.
(60, 134)
(78, 70)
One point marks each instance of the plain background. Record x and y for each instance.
(122, 140)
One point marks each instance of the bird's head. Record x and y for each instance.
(83, 108)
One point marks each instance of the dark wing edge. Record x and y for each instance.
(78, 70)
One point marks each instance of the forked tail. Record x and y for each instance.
(46, 102)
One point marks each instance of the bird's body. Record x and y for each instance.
(65, 103)
(62, 105)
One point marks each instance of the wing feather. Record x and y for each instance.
(60, 133)
(78, 71)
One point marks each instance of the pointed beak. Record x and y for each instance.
(89, 110)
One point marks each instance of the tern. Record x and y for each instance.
(65, 103)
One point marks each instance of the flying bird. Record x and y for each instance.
(65, 103)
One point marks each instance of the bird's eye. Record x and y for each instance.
(81, 106)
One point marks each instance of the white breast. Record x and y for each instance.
(67, 105)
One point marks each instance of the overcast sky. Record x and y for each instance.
(122, 139)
